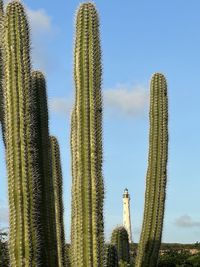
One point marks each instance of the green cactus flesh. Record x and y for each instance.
(156, 175)
(120, 240)
(68, 255)
(46, 203)
(20, 152)
(1, 72)
(87, 233)
(57, 184)
(111, 256)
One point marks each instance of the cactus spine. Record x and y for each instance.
(156, 175)
(46, 200)
(57, 183)
(120, 240)
(87, 233)
(20, 150)
(111, 257)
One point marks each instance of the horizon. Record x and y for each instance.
(138, 39)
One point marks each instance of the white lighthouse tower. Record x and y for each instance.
(126, 214)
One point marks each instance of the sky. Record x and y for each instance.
(138, 38)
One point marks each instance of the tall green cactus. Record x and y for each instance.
(20, 148)
(57, 184)
(87, 233)
(156, 175)
(120, 240)
(111, 256)
(1, 71)
(46, 199)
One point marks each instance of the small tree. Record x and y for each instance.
(4, 257)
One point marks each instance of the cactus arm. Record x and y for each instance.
(57, 183)
(111, 256)
(163, 169)
(120, 240)
(156, 175)
(46, 206)
(87, 198)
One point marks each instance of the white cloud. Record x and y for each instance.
(59, 105)
(40, 21)
(42, 30)
(125, 101)
(185, 221)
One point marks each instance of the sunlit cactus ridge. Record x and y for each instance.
(87, 232)
(19, 137)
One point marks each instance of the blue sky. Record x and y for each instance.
(138, 39)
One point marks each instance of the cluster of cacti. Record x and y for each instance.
(33, 217)
(120, 240)
(156, 175)
(33, 156)
(111, 256)
(87, 232)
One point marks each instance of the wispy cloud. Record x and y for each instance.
(127, 101)
(42, 31)
(185, 221)
(122, 100)
(40, 21)
(61, 106)
(3, 215)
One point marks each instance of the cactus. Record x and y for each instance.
(120, 240)
(111, 257)
(156, 175)
(57, 183)
(87, 232)
(45, 200)
(123, 264)
(68, 255)
(19, 136)
(1, 71)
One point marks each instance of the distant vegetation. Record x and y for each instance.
(175, 254)
(4, 257)
(171, 255)
(178, 258)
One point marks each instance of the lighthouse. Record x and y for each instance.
(126, 214)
